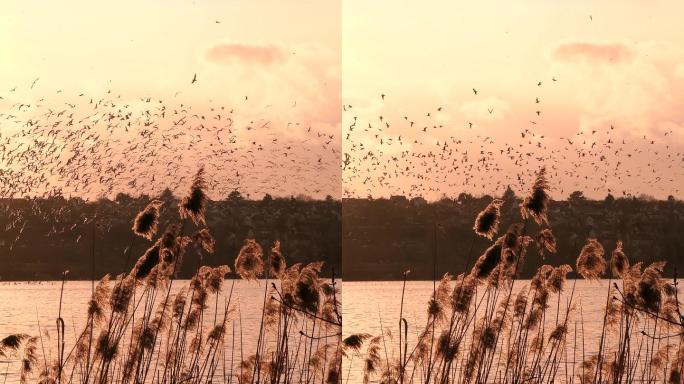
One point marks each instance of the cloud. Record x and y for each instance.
(251, 54)
(295, 83)
(642, 96)
(612, 53)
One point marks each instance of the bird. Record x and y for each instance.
(194, 79)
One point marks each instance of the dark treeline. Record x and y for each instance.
(382, 238)
(40, 238)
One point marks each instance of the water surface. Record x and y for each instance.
(373, 307)
(26, 307)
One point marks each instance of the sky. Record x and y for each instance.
(592, 91)
(157, 46)
(600, 64)
(269, 62)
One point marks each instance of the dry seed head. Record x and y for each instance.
(145, 223)
(146, 262)
(557, 278)
(306, 292)
(204, 238)
(520, 304)
(487, 221)
(464, 291)
(590, 263)
(122, 293)
(536, 204)
(546, 241)
(486, 263)
(354, 342)
(276, 261)
(249, 263)
(649, 288)
(619, 263)
(558, 333)
(194, 205)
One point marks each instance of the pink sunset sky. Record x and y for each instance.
(600, 64)
(264, 115)
(273, 66)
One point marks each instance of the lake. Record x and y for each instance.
(369, 307)
(24, 305)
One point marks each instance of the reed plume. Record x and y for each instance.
(100, 296)
(211, 279)
(440, 299)
(146, 262)
(249, 263)
(373, 359)
(557, 278)
(559, 332)
(122, 293)
(546, 241)
(107, 347)
(650, 291)
(488, 261)
(194, 205)
(675, 374)
(354, 342)
(168, 239)
(10, 344)
(536, 204)
(306, 294)
(276, 261)
(619, 263)
(205, 240)
(146, 222)
(464, 292)
(334, 374)
(590, 263)
(29, 359)
(520, 304)
(487, 222)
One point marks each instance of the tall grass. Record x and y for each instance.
(480, 330)
(140, 330)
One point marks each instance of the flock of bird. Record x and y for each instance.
(426, 155)
(66, 144)
(99, 145)
(93, 146)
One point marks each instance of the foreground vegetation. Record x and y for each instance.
(139, 331)
(479, 330)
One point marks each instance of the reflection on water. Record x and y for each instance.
(372, 306)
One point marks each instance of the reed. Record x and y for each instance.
(490, 329)
(141, 330)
